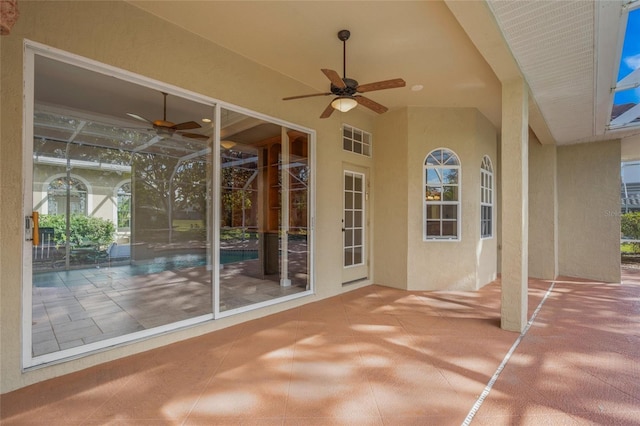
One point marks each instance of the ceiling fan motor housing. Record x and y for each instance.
(349, 90)
(344, 35)
(163, 123)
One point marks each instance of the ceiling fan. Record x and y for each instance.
(345, 89)
(167, 128)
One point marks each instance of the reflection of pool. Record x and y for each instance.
(159, 264)
(184, 261)
(231, 256)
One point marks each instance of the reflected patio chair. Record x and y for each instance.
(101, 256)
(113, 252)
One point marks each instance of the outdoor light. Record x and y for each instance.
(344, 103)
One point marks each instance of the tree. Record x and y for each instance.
(630, 228)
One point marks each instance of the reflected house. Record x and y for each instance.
(630, 186)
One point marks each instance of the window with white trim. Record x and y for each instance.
(63, 188)
(356, 140)
(486, 198)
(123, 197)
(441, 198)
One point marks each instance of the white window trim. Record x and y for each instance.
(114, 203)
(364, 213)
(354, 129)
(45, 191)
(458, 203)
(491, 191)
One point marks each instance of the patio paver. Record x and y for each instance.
(376, 356)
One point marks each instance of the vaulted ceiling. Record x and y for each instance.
(458, 51)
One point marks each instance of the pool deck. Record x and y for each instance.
(377, 356)
(77, 307)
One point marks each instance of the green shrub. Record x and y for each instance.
(82, 229)
(630, 228)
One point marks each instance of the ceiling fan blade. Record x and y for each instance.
(327, 112)
(372, 105)
(305, 96)
(381, 85)
(194, 136)
(334, 77)
(137, 117)
(187, 125)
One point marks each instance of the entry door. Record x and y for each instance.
(355, 229)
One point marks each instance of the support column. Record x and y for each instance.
(515, 214)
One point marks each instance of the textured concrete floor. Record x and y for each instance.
(377, 356)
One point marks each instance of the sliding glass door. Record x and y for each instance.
(264, 180)
(143, 225)
(123, 205)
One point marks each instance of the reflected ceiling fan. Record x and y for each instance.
(345, 89)
(167, 128)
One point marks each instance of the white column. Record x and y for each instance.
(515, 187)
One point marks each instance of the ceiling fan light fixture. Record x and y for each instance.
(344, 103)
(226, 144)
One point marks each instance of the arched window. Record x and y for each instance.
(62, 187)
(442, 195)
(486, 198)
(123, 195)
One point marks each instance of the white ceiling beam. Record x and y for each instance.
(631, 81)
(627, 117)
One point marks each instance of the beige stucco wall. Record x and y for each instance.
(101, 199)
(589, 210)
(390, 207)
(123, 36)
(434, 265)
(543, 211)
(466, 264)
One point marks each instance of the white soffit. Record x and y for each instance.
(553, 43)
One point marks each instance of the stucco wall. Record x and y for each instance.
(404, 260)
(390, 235)
(543, 215)
(123, 36)
(433, 265)
(589, 211)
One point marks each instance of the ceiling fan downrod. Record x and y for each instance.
(344, 36)
(164, 114)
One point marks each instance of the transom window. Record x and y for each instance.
(486, 198)
(442, 195)
(356, 140)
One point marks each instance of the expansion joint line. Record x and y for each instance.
(504, 362)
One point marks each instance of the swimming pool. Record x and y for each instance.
(183, 261)
(52, 278)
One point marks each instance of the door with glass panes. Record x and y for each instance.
(355, 253)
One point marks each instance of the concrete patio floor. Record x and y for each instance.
(377, 356)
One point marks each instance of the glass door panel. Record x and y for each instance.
(124, 211)
(256, 211)
(298, 232)
(354, 225)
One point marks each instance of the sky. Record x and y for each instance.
(630, 58)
